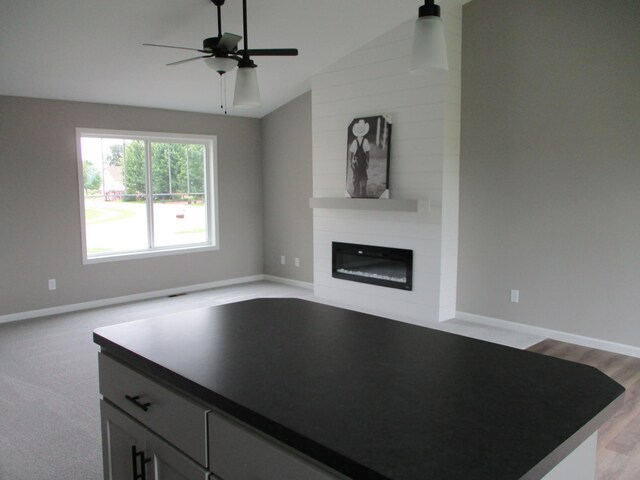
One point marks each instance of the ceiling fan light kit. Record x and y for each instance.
(429, 51)
(221, 65)
(222, 55)
(247, 91)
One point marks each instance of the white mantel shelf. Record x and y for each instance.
(380, 204)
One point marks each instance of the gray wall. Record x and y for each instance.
(288, 220)
(550, 165)
(40, 213)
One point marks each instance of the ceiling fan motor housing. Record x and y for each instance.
(210, 44)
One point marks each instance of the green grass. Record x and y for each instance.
(93, 216)
(90, 214)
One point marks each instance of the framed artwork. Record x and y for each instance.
(368, 151)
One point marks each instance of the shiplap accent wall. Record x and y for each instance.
(425, 145)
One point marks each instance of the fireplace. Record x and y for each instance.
(383, 266)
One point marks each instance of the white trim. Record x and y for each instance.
(288, 281)
(156, 252)
(576, 339)
(210, 144)
(12, 317)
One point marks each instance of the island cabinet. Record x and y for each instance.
(150, 431)
(285, 389)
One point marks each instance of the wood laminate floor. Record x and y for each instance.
(618, 455)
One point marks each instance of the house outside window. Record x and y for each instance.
(145, 194)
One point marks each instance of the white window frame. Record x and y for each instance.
(211, 192)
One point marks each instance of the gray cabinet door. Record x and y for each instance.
(169, 464)
(122, 441)
(131, 452)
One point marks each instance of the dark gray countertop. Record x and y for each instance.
(371, 397)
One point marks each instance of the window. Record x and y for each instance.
(145, 194)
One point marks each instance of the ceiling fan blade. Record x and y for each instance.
(269, 52)
(229, 41)
(171, 46)
(188, 60)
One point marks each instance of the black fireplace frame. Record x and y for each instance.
(371, 251)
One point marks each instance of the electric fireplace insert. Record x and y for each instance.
(383, 266)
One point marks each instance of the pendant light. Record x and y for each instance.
(247, 92)
(429, 51)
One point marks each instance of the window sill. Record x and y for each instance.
(116, 257)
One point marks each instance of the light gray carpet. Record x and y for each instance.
(49, 410)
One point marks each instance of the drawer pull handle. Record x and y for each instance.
(134, 400)
(143, 461)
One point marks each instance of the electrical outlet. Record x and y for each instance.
(282, 260)
(515, 296)
(297, 261)
(52, 284)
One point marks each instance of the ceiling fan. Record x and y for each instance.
(221, 53)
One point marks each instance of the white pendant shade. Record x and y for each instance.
(221, 64)
(429, 51)
(247, 93)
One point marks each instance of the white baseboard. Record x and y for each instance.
(126, 299)
(288, 281)
(590, 342)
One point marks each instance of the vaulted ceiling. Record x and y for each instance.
(91, 50)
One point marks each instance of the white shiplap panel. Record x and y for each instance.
(330, 152)
(451, 125)
(390, 50)
(373, 86)
(423, 216)
(327, 167)
(383, 295)
(422, 248)
(369, 302)
(386, 102)
(415, 163)
(413, 130)
(355, 74)
(451, 146)
(424, 165)
(333, 138)
(423, 146)
(333, 148)
(330, 180)
(417, 230)
(414, 181)
(410, 113)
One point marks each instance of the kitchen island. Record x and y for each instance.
(287, 388)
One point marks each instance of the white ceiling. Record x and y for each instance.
(91, 50)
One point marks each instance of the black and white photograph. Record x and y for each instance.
(368, 150)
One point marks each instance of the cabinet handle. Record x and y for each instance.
(143, 463)
(134, 400)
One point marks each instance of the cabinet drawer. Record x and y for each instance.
(179, 420)
(238, 453)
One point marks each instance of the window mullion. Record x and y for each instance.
(208, 186)
(150, 219)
